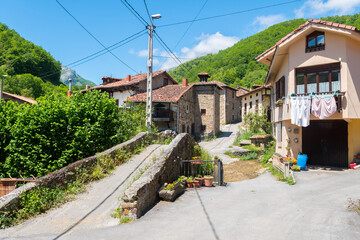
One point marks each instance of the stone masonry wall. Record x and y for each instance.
(143, 193)
(69, 172)
(232, 106)
(186, 112)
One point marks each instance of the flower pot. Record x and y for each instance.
(201, 181)
(184, 181)
(189, 184)
(208, 181)
(196, 183)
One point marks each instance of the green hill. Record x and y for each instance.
(67, 73)
(236, 65)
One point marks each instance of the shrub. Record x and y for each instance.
(44, 137)
(257, 122)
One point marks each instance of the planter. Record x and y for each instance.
(208, 181)
(170, 196)
(189, 184)
(196, 183)
(184, 180)
(201, 180)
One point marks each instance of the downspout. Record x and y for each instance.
(177, 117)
(214, 130)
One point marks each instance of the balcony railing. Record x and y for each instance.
(338, 97)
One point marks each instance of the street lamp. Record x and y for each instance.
(1, 88)
(149, 73)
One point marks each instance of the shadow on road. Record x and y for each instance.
(207, 216)
(224, 134)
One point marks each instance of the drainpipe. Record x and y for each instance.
(177, 117)
(214, 130)
(272, 109)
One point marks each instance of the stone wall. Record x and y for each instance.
(143, 193)
(186, 112)
(69, 172)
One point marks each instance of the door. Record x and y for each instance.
(326, 143)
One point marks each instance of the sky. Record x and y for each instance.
(47, 24)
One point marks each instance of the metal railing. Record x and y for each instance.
(201, 167)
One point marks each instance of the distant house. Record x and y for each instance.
(121, 89)
(17, 98)
(240, 91)
(255, 100)
(317, 64)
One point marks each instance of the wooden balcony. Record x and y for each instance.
(163, 115)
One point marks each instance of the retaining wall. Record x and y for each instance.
(143, 193)
(69, 172)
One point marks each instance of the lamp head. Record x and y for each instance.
(156, 16)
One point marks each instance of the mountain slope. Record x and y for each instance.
(236, 65)
(67, 73)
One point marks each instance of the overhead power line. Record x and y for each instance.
(228, 14)
(147, 10)
(134, 12)
(96, 38)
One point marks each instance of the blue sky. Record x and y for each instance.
(46, 24)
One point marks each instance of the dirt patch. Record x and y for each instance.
(242, 170)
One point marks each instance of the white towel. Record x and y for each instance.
(300, 111)
(323, 106)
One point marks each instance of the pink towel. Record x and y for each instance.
(322, 107)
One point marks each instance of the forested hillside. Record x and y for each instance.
(67, 73)
(237, 65)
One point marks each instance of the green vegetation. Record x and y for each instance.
(268, 152)
(41, 199)
(237, 65)
(41, 138)
(249, 156)
(257, 123)
(279, 176)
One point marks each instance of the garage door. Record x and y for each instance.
(326, 143)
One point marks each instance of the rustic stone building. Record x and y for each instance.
(256, 100)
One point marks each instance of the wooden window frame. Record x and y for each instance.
(280, 88)
(317, 47)
(203, 112)
(317, 69)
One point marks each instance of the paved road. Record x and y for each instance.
(91, 209)
(221, 144)
(262, 208)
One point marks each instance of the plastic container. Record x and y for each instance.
(301, 161)
(352, 165)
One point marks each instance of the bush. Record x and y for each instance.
(41, 138)
(257, 122)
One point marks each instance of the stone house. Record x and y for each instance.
(191, 108)
(255, 100)
(121, 89)
(317, 62)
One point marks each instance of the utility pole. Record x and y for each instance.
(149, 73)
(1, 88)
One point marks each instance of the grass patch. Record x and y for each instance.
(249, 156)
(122, 219)
(354, 205)
(41, 199)
(253, 148)
(246, 136)
(279, 176)
(126, 219)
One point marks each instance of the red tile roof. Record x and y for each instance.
(21, 98)
(255, 90)
(241, 90)
(169, 93)
(119, 82)
(315, 21)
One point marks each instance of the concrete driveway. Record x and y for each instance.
(262, 208)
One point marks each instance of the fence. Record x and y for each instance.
(203, 167)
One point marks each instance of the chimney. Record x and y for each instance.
(87, 87)
(203, 76)
(105, 80)
(185, 82)
(128, 78)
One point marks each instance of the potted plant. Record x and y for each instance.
(200, 179)
(183, 179)
(196, 183)
(170, 191)
(189, 182)
(208, 179)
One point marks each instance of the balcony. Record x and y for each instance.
(163, 115)
(338, 97)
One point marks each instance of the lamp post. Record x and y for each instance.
(1, 88)
(149, 73)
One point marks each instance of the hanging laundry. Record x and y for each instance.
(300, 111)
(323, 106)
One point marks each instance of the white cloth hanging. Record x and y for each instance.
(323, 106)
(300, 111)
(294, 109)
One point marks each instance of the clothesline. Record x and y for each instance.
(338, 93)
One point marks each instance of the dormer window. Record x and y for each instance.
(315, 42)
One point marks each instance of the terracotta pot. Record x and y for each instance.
(184, 180)
(196, 183)
(201, 181)
(189, 184)
(208, 181)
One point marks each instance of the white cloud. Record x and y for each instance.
(144, 53)
(209, 43)
(315, 7)
(267, 21)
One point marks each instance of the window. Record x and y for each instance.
(280, 88)
(187, 108)
(256, 106)
(257, 94)
(203, 111)
(183, 128)
(233, 95)
(233, 106)
(250, 105)
(245, 110)
(233, 117)
(188, 129)
(250, 97)
(117, 102)
(245, 98)
(324, 78)
(315, 42)
(166, 81)
(203, 128)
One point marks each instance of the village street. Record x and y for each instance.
(261, 208)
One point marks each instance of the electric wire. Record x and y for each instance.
(96, 38)
(228, 14)
(181, 38)
(147, 10)
(134, 12)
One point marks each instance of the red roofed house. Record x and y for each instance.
(17, 98)
(255, 100)
(121, 89)
(192, 108)
(321, 60)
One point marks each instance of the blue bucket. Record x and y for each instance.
(301, 161)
